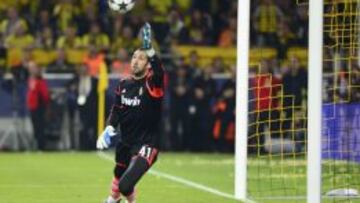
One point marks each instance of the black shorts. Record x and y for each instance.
(124, 153)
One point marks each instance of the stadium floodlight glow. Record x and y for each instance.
(242, 72)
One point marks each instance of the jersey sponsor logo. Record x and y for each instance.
(130, 102)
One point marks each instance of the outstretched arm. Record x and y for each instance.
(156, 77)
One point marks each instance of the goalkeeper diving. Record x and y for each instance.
(137, 109)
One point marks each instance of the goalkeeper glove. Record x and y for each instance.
(146, 40)
(104, 140)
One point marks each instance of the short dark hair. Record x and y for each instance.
(141, 49)
(144, 50)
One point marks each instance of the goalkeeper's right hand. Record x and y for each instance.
(104, 140)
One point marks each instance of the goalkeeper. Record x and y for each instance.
(137, 109)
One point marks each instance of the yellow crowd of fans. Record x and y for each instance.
(18, 35)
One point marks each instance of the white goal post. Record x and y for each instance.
(315, 67)
(242, 72)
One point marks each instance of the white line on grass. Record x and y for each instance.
(182, 181)
(286, 198)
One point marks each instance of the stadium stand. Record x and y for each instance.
(59, 34)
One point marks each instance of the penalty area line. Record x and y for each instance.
(180, 180)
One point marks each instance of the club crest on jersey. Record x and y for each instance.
(130, 102)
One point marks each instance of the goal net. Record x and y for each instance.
(341, 100)
(277, 113)
(277, 133)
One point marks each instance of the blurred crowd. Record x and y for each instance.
(279, 24)
(199, 110)
(71, 24)
(107, 37)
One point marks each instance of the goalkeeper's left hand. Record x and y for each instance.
(104, 140)
(146, 40)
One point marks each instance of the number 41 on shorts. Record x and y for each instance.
(148, 153)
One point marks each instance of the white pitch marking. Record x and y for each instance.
(182, 181)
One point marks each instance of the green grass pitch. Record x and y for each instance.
(85, 178)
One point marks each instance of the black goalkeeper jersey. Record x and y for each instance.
(137, 107)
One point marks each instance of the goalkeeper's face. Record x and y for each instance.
(139, 63)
